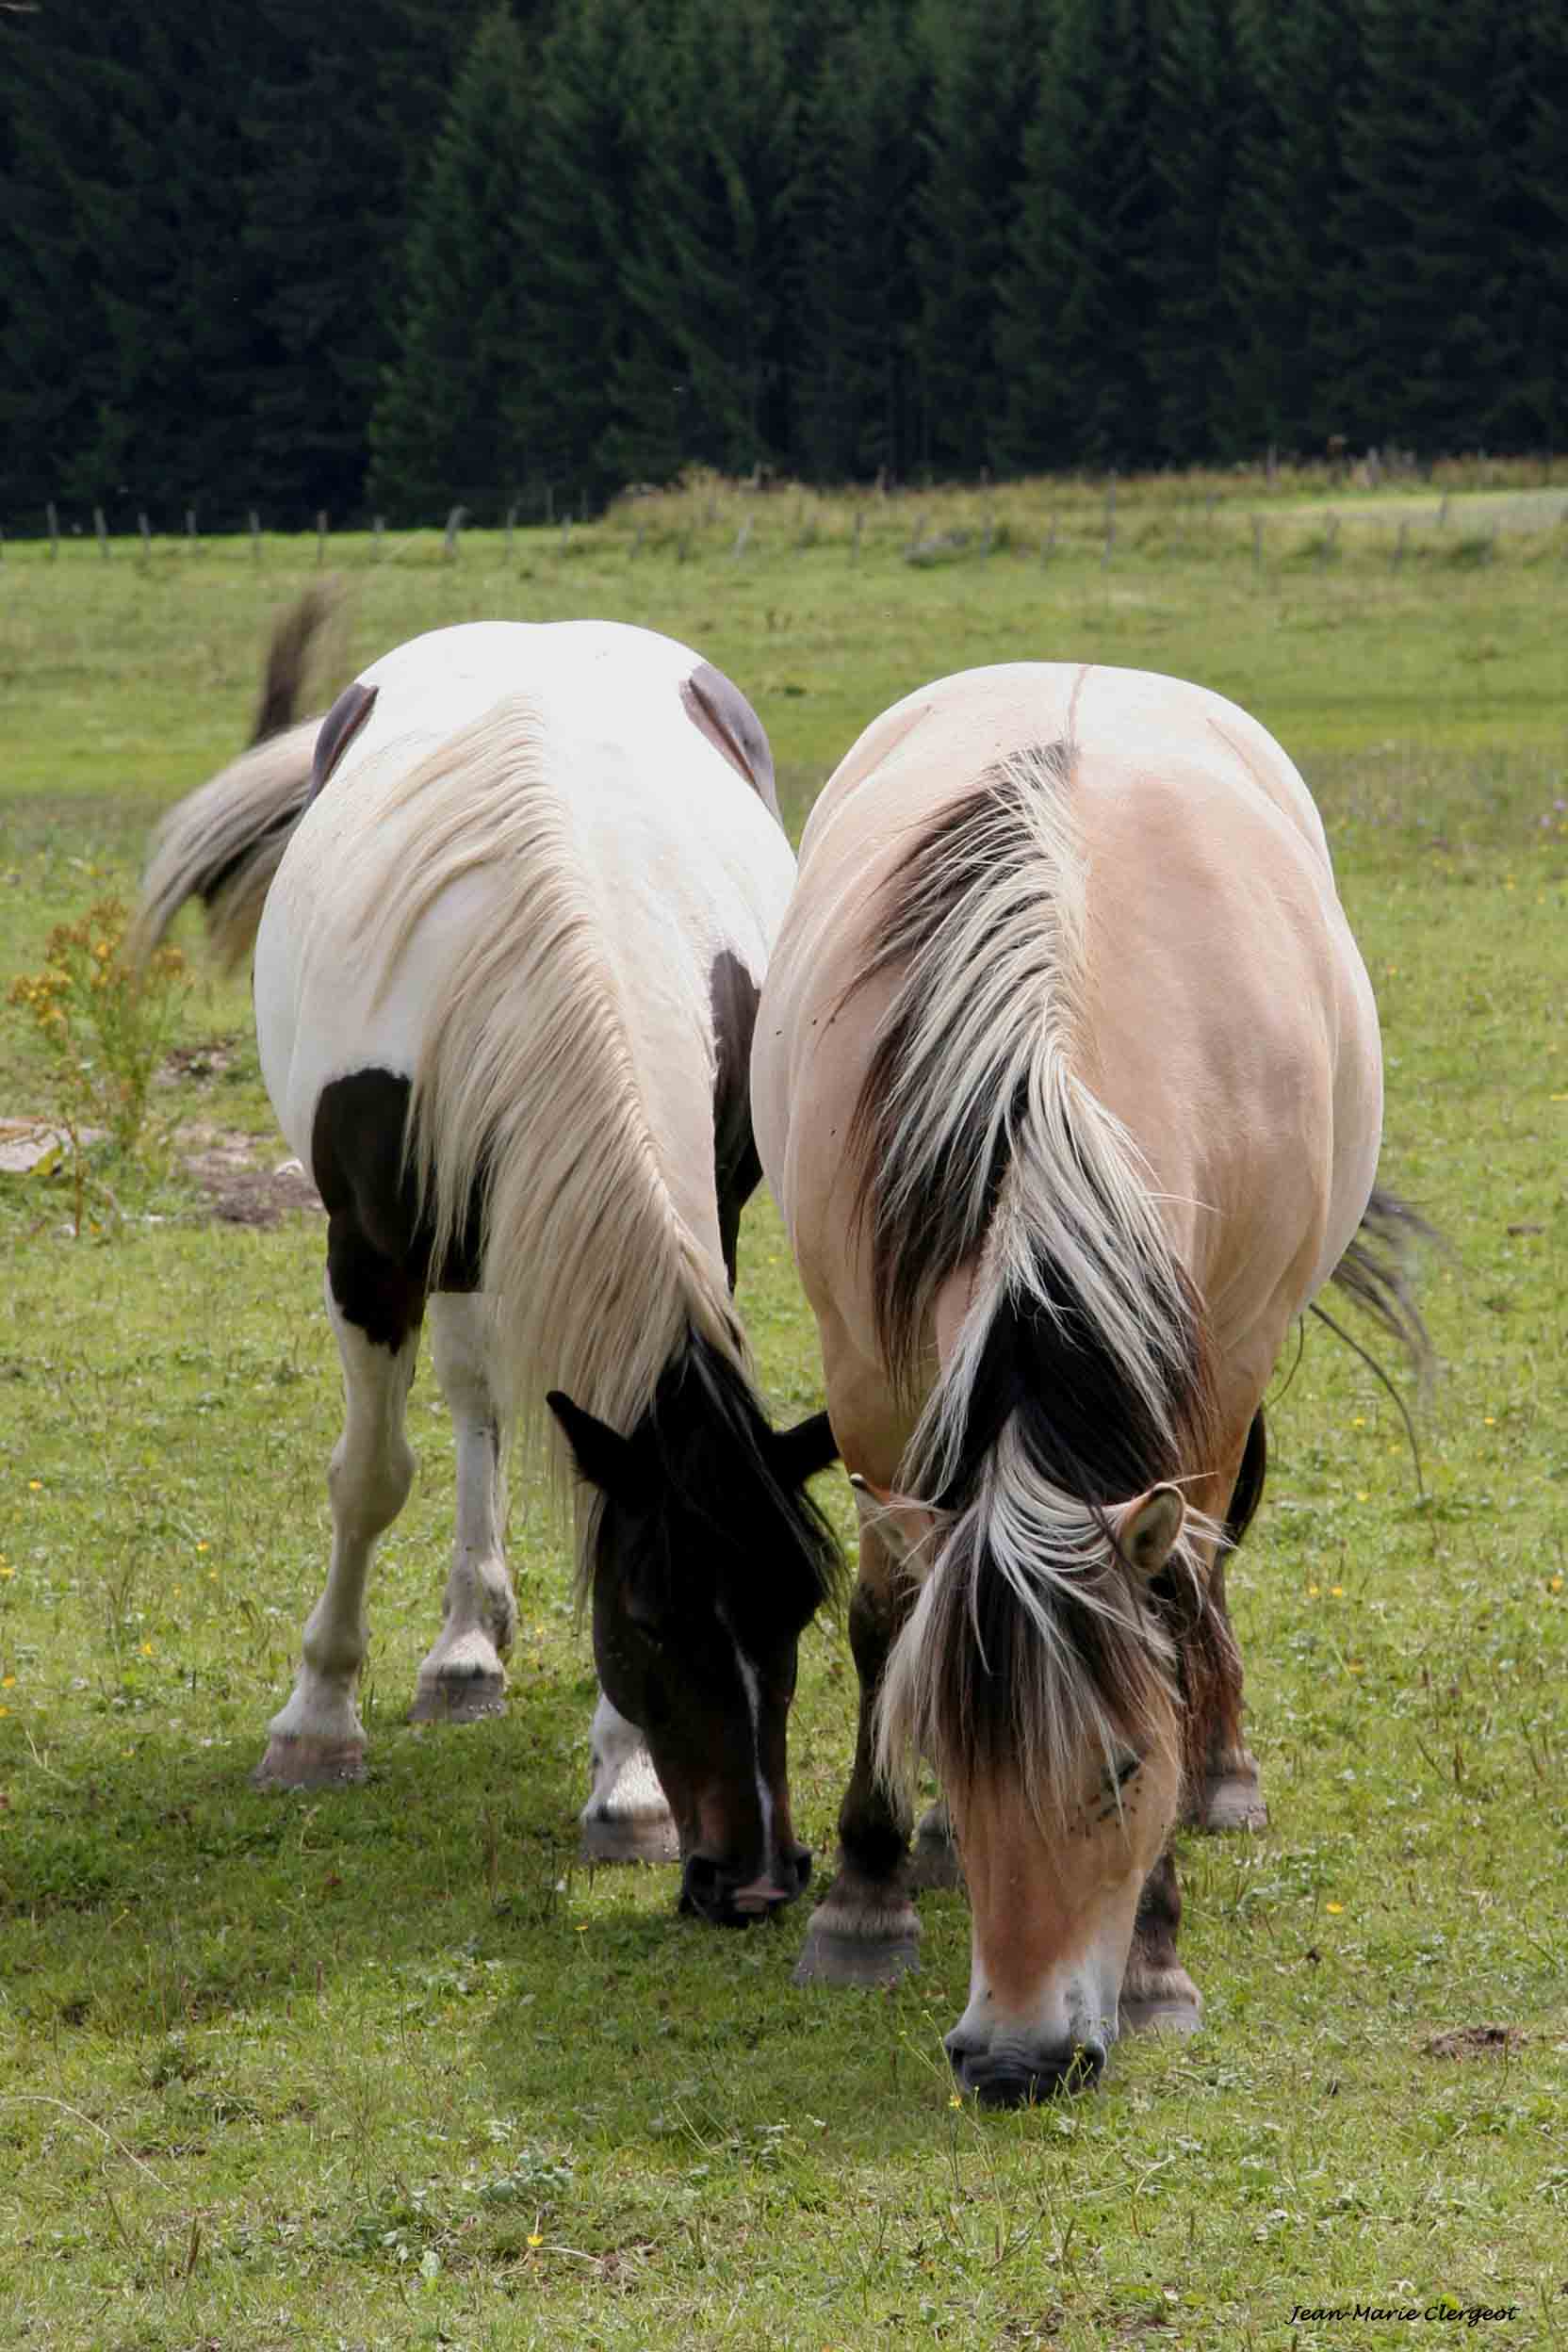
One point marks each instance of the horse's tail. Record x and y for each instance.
(1377, 1272)
(1081, 1375)
(222, 843)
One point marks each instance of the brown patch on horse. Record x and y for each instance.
(338, 728)
(718, 709)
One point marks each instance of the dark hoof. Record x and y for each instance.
(1232, 1801)
(458, 1698)
(629, 1837)
(1162, 2010)
(830, 1957)
(304, 1763)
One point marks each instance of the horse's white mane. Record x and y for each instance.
(526, 1084)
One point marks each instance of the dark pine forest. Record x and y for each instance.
(401, 255)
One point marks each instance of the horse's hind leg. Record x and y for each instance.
(462, 1676)
(318, 1739)
(1156, 1991)
(1232, 1796)
(865, 1930)
(935, 1862)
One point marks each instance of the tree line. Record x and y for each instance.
(421, 252)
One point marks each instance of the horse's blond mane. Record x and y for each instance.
(526, 1088)
(980, 1145)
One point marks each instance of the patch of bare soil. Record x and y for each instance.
(1476, 2041)
(242, 1178)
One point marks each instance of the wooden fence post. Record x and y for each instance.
(255, 520)
(54, 531)
(146, 529)
(101, 527)
(456, 521)
(322, 520)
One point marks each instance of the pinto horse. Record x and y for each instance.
(506, 974)
(1067, 1079)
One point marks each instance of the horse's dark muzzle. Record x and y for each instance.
(730, 1898)
(1014, 2080)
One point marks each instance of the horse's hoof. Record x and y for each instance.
(828, 1957)
(295, 1760)
(629, 1837)
(1168, 2004)
(1234, 1800)
(458, 1698)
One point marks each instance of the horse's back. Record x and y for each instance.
(1224, 1015)
(676, 858)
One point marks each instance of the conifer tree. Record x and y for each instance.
(1431, 140)
(1297, 64)
(707, 369)
(1194, 106)
(1073, 299)
(863, 162)
(340, 132)
(442, 433)
(128, 345)
(584, 175)
(985, 65)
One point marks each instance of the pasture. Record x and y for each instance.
(388, 2068)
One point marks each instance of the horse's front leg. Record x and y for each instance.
(1156, 1990)
(317, 1737)
(626, 1818)
(462, 1676)
(865, 1930)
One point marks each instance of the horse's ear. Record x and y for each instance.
(798, 1454)
(1148, 1530)
(603, 1456)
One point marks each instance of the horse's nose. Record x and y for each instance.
(1014, 2077)
(729, 1899)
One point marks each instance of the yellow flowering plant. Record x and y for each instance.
(103, 1027)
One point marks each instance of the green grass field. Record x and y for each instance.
(386, 2067)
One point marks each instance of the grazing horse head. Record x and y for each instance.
(706, 1560)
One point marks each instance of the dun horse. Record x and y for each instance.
(1068, 1082)
(506, 975)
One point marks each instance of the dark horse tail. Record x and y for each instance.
(223, 841)
(1377, 1272)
